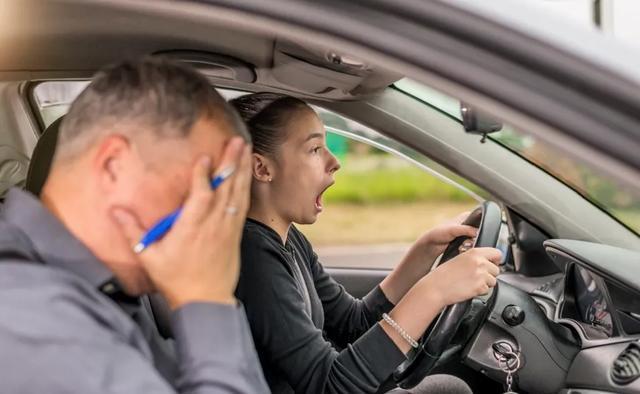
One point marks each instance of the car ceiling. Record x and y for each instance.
(75, 39)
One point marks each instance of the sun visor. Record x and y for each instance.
(214, 65)
(321, 70)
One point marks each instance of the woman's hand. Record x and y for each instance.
(435, 241)
(467, 275)
(423, 253)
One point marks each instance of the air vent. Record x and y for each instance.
(626, 368)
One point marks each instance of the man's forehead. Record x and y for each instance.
(210, 137)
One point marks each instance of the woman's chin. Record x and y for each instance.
(308, 219)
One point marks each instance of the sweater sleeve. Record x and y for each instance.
(288, 341)
(346, 317)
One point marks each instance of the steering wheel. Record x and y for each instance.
(488, 219)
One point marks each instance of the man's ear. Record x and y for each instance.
(262, 168)
(112, 158)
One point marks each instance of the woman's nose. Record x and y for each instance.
(334, 164)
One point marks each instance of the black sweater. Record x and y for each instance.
(295, 308)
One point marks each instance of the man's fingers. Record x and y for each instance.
(198, 203)
(200, 176)
(129, 226)
(239, 197)
(231, 158)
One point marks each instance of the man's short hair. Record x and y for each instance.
(152, 94)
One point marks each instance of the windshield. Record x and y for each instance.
(610, 196)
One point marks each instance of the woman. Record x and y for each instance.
(299, 315)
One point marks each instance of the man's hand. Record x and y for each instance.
(199, 259)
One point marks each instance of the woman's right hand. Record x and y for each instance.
(467, 275)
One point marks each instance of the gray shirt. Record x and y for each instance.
(65, 327)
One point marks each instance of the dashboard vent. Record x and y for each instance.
(626, 367)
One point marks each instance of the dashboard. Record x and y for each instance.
(578, 329)
(591, 307)
(601, 302)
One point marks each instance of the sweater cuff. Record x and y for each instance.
(379, 352)
(377, 303)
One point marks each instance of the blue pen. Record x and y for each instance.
(164, 225)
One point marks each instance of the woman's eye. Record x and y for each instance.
(316, 149)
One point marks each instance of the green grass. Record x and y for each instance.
(383, 185)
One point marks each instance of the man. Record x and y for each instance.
(143, 139)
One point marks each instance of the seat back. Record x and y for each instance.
(42, 157)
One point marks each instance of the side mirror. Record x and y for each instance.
(476, 122)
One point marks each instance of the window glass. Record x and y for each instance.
(385, 197)
(53, 98)
(602, 191)
(608, 195)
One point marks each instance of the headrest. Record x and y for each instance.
(42, 157)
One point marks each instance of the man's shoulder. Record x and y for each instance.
(13, 243)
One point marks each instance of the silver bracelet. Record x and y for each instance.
(400, 330)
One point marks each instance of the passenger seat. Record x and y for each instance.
(13, 169)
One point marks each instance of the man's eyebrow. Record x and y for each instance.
(313, 135)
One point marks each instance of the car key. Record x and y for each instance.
(509, 368)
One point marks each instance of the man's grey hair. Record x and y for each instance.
(149, 94)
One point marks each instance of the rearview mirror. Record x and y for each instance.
(476, 122)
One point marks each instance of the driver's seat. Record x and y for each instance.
(39, 167)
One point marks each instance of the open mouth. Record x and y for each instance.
(319, 205)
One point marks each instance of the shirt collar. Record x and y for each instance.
(53, 242)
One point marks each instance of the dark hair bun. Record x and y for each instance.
(266, 115)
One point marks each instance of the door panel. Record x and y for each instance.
(358, 282)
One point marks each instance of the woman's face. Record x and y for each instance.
(303, 169)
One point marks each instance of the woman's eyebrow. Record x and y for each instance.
(313, 135)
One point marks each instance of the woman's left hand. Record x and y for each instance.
(422, 254)
(436, 240)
